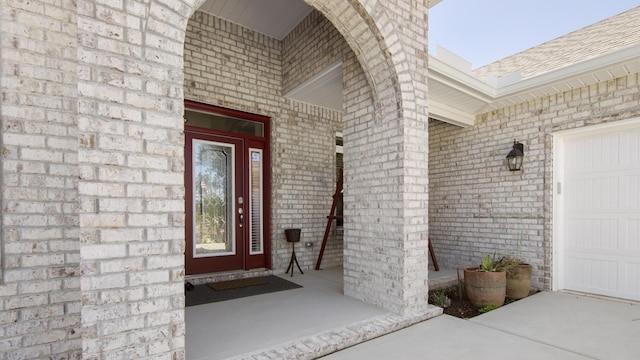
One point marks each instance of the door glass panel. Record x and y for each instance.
(255, 206)
(223, 123)
(213, 200)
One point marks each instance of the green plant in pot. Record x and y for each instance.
(518, 277)
(486, 285)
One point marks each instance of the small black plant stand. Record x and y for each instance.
(293, 236)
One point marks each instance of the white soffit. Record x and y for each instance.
(275, 18)
(324, 89)
(449, 114)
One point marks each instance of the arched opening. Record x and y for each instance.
(233, 74)
(220, 63)
(235, 67)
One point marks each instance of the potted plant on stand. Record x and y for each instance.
(486, 285)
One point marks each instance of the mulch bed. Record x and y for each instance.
(460, 307)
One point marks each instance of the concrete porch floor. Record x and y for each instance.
(308, 322)
(318, 321)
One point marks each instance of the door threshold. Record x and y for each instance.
(198, 279)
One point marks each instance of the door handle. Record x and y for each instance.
(241, 216)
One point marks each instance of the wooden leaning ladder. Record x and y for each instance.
(332, 216)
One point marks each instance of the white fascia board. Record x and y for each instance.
(460, 80)
(448, 114)
(479, 89)
(567, 73)
(469, 85)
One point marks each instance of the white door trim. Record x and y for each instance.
(558, 212)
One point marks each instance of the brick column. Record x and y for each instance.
(131, 186)
(386, 153)
(39, 266)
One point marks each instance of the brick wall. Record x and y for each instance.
(309, 48)
(131, 179)
(385, 196)
(92, 165)
(478, 207)
(40, 284)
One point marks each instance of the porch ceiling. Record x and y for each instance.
(275, 18)
(455, 95)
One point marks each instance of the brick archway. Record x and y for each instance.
(147, 85)
(364, 36)
(93, 112)
(391, 47)
(394, 61)
(394, 64)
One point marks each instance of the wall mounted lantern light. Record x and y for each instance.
(514, 158)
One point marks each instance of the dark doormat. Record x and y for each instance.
(235, 289)
(236, 284)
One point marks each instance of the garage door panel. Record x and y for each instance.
(605, 231)
(600, 248)
(591, 274)
(631, 186)
(604, 152)
(593, 233)
(601, 192)
(631, 280)
(617, 191)
(633, 234)
(604, 277)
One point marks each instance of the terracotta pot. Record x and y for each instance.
(519, 281)
(485, 288)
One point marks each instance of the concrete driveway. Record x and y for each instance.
(543, 326)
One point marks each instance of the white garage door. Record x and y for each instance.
(599, 197)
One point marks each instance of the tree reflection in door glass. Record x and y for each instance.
(213, 201)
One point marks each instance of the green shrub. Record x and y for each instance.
(488, 308)
(440, 299)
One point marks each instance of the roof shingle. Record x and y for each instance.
(614, 33)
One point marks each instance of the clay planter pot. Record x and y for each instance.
(519, 281)
(485, 288)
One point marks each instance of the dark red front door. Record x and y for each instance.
(226, 183)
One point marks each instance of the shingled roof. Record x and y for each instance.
(614, 33)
